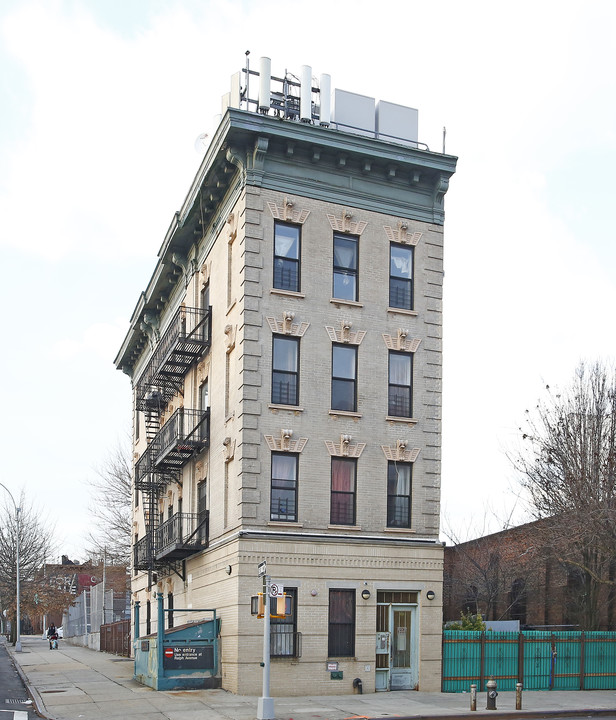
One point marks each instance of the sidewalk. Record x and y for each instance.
(75, 683)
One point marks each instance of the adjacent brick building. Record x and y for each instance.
(519, 574)
(286, 364)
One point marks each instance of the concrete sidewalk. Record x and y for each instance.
(75, 683)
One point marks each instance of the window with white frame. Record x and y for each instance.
(346, 264)
(283, 500)
(344, 378)
(400, 400)
(285, 370)
(399, 479)
(287, 249)
(401, 276)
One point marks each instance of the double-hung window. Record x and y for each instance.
(400, 402)
(399, 476)
(401, 276)
(283, 502)
(285, 370)
(287, 257)
(342, 502)
(202, 513)
(341, 631)
(346, 250)
(344, 378)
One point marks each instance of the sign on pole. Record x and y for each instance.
(276, 589)
(262, 568)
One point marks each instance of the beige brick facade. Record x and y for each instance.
(231, 252)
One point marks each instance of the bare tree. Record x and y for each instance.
(35, 545)
(492, 574)
(111, 508)
(568, 470)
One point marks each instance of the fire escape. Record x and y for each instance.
(166, 545)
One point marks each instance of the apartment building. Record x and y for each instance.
(286, 364)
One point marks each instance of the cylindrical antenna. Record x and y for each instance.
(265, 79)
(325, 100)
(305, 97)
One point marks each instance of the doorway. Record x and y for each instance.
(396, 641)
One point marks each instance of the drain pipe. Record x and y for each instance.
(357, 685)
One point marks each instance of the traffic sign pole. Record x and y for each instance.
(265, 706)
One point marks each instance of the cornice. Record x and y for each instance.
(296, 158)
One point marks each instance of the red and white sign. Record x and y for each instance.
(276, 589)
(169, 652)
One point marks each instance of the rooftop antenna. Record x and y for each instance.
(444, 136)
(247, 53)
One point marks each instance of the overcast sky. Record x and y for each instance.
(100, 105)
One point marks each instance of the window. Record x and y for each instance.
(342, 510)
(400, 384)
(148, 618)
(401, 277)
(170, 607)
(284, 640)
(341, 635)
(286, 257)
(399, 477)
(205, 305)
(285, 370)
(202, 518)
(345, 267)
(283, 503)
(344, 376)
(204, 395)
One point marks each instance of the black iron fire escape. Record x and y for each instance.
(170, 446)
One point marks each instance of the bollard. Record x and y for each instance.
(473, 697)
(518, 696)
(491, 687)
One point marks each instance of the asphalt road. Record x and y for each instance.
(14, 701)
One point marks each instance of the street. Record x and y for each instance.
(14, 701)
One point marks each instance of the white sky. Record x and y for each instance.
(100, 105)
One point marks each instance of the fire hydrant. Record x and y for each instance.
(492, 694)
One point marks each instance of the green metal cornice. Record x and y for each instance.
(299, 158)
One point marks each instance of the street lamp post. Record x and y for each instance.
(17, 511)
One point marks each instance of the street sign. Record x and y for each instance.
(262, 569)
(276, 589)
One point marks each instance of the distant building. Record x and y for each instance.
(516, 574)
(286, 362)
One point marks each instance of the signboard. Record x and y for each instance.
(332, 667)
(276, 589)
(189, 657)
(262, 569)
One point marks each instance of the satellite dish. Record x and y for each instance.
(201, 143)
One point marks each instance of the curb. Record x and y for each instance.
(508, 715)
(37, 700)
